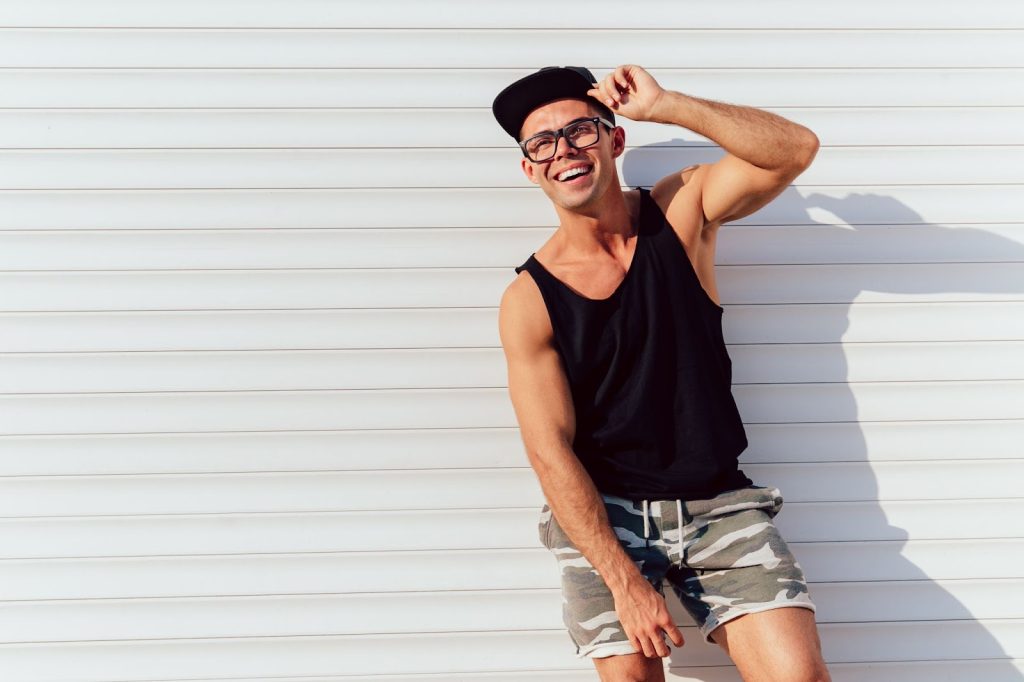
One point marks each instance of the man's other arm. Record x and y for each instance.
(542, 401)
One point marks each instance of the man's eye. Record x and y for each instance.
(580, 129)
(540, 143)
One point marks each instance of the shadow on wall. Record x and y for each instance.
(644, 165)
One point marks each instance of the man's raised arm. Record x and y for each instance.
(764, 152)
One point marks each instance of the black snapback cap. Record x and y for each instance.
(515, 102)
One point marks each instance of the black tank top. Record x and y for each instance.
(649, 373)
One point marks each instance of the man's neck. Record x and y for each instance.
(603, 227)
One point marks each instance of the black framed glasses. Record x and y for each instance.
(580, 134)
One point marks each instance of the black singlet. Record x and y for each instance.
(649, 373)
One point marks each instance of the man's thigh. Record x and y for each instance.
(630, 667)
(779, 645)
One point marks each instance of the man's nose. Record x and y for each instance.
(563, 148)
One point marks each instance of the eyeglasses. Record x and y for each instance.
(580, 134)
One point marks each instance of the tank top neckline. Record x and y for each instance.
(629, 271)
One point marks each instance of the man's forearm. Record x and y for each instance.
(580, 512)
(759, 137)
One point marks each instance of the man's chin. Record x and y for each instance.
(572, 197)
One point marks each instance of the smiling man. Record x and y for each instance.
(621, 381)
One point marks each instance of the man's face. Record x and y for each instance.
(581, 190)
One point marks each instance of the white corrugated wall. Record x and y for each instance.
(254, 422)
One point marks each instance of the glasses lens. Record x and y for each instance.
(582, 134)
(540, 147)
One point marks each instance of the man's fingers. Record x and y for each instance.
(611, 89)
(610, 97)
(648, 644)
(598, 93)
(637, 643)
(660, 648)
(621, 79)
(654, 645)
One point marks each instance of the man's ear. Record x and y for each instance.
(529, 170)
(618, 142)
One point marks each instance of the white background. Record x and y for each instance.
(254, 421)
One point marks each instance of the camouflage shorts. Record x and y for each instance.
(728, 560)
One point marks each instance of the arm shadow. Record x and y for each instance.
(875, 245)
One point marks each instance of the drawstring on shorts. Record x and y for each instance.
(679, 522)
(647, 523)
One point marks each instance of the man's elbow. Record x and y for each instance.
(808, 148)
(550, 453)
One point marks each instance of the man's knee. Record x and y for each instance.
(798, 669)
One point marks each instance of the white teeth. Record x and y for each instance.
(572, 172)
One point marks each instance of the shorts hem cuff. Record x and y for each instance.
(606, 649)
(708, 627)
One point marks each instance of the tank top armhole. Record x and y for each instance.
(716, 308)
(549, 304)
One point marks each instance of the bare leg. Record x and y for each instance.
(630, 668)
(780, 645)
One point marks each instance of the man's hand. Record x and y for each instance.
(643, 614)
(630, 91)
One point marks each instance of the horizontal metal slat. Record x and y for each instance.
(226, 330)
(125, 495)
(431, 653)
(178, 534)
(460, 128)
(292, 370)
(482, 287)
(454, 611)
(500, 48)
(460, 168)
(758, 86)
(476, 247)
(445, 448)
(990, 670)
(463, 14)
(477, 208)
(488, 569)
(196, 412)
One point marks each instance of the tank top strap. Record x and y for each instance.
(539, 273)
(646, 215)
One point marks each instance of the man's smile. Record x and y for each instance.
(576, 170)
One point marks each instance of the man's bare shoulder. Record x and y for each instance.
(681, 187)
(678, 197)
(522, 316)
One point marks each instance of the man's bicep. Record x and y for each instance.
(542, 401)
(537, 383)
(733, 188)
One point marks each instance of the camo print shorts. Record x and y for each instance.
(723, 558)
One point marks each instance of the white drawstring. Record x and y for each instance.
(679, 522)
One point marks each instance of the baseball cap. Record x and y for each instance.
(515, 102)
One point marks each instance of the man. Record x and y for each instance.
(621, 382)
